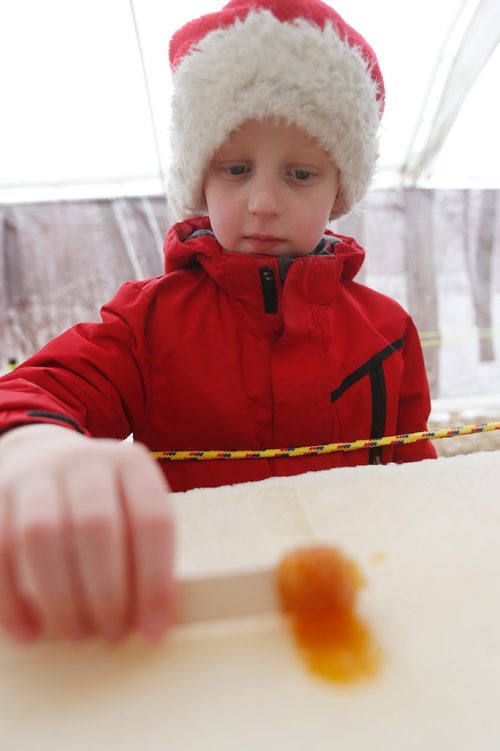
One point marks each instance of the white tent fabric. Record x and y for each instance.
(86, 87)
(479, 40)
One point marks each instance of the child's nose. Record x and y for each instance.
(264, 199)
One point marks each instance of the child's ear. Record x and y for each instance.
(338, 207)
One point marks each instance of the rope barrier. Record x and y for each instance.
(427, 435)
(436, 338)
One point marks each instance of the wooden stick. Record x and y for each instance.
(233, 595)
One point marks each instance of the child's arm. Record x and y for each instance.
(94, 377)
(86, 536)
(414, 402)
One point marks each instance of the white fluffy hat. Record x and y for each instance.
(291, 59)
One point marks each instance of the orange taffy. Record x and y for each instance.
(317, 588)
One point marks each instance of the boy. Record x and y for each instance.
(256, 336)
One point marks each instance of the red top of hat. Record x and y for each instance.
(315, 11)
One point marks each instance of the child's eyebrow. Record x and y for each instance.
(231, 153)
(228, 153)
(304, 161)
(231, 156)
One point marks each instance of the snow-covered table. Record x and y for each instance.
(427, 537)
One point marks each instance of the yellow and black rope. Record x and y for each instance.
(329, 448)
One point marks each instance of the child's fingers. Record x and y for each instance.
(99, 539)
(15, 616)
(145, 496)
(86, 543)
(42, 562)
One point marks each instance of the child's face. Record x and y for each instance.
(270, 189)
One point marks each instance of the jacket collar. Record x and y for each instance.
(316, 275)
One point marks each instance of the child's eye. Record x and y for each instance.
(237, 169)
(301, 174)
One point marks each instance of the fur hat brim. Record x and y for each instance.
(261, 67)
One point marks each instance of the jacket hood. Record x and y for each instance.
(182, 252)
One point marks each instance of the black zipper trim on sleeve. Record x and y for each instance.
(269, 290)
(374, 367)
(366, 368)
(55, 416)
(379, 409)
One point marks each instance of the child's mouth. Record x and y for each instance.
(263, 243)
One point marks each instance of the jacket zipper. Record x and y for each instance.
(269, 289)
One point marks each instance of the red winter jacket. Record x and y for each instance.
(224, 351)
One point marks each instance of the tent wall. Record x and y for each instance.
(437, 252)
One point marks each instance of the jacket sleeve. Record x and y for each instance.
(414, 401)
(92, 378)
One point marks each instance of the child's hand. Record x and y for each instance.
(86, 536)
